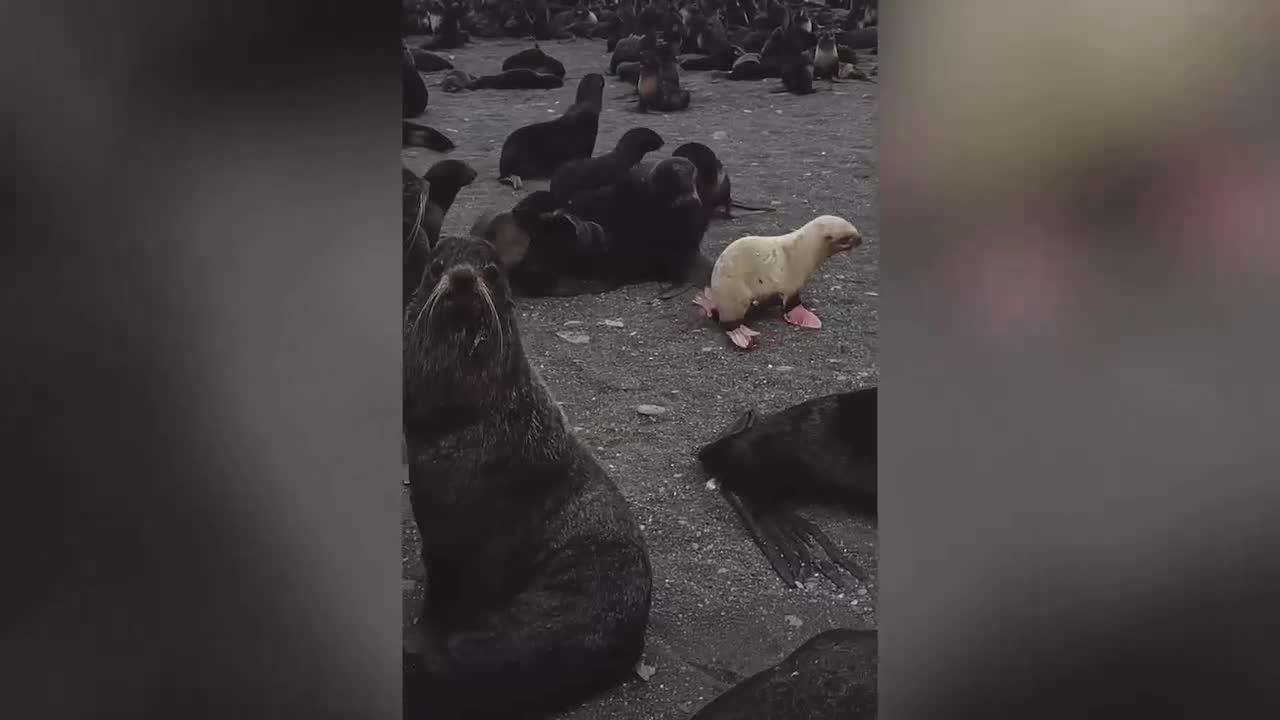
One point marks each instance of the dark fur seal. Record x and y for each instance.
(535, 59)
(416, 135)
(538, 580)
(655, 224)
(826, 57)
(413, 91)
(833, 676)
(537, 150)
(518, 79)
(713, 181)
(659, 82)
(821, 450)
(429, 62)
(607, 169)
(426, 200)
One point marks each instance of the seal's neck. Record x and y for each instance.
(805, 251)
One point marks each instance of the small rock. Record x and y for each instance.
(651, 410)
(645, 671)
(872, 294)
(578, 428)
(612, 323)
(841, 377)
(719, 135)
(696, 547)
(793, 621)
(784, 368)
(722, 571)
(575, 338)
(707, 348)
(571, 323)
(712, 484)
(862, 591)
(779, 202)
(746, 111)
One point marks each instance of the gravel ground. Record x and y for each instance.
(719, 612)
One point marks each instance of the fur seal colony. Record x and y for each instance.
(538, 577)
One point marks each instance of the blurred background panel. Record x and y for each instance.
(204, 387)
(1080, 203)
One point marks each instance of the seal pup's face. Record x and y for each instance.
(836, 234)
(459, 334)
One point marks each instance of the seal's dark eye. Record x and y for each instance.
(437, 268)
(491, 273)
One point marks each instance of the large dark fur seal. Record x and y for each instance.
(607, 169)
(426, 200)
(416, 135)
(713, 181)
(538, 580)
(535, 59)
(655, 224)
(823, 449)
(517, 79)
(832, 676)
(537, 150)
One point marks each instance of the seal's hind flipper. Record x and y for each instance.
(788, 542)
(760, 539)
(752, 209)
(415, 135)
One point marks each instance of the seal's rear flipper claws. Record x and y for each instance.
(742, 336)
(704, 302)
(801, 316)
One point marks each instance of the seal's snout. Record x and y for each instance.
(462, 280)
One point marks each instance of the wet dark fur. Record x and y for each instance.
(538, 580)
(821, 450)
(832, 676)
(607, 169)
(535, 59)
(518, 79)
(537, 150)
(426, 200)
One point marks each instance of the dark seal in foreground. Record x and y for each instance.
(833, 676)
(821, 450)
(538, 580)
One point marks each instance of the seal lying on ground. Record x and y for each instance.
(517, 79)
(416, 135)
(535, 59)
(757, 269)
(713, 181)
(426, 200)
(832, 676)
(537, 150)
(538, 580)
(821, 450)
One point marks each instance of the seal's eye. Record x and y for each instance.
(437, 268)
(491, 273)
(828, 238)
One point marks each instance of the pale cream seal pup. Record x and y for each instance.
(757, 269)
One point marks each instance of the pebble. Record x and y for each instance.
(575, 338)
(719, 135)
(612, 323)
(570, 323)
(651, 410)
(793, 621)
(784, 368)
(712, 484)
(862, 591)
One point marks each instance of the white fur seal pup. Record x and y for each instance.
(757, 269)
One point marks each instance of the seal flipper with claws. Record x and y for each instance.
(821, 450)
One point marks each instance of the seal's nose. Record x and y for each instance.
(462, 280)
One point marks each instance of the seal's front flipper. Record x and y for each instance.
(801, 316)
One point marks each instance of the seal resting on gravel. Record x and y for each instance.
(538, 579)
(537, 150)
(536, 59)
(757, 269)
(821, 450)
(832, 676)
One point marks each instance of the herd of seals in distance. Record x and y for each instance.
(539, 581)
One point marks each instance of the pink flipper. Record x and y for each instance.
(703, 300)
(801, 316)
(742, 336)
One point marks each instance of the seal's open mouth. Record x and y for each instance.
(846, 243)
